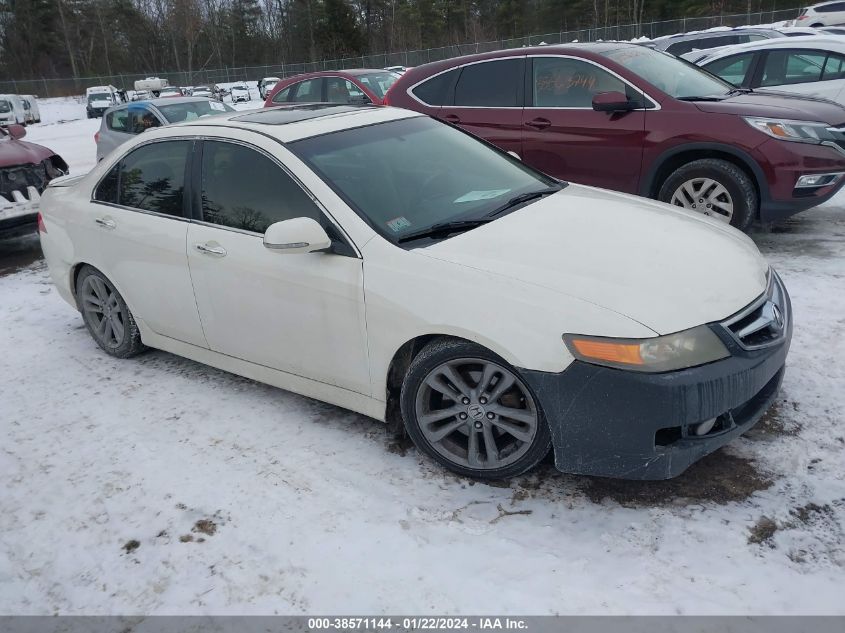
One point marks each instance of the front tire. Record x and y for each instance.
(713, 187)
(469, 410)
(106, 315)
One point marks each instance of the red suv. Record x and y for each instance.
(629, 118)
(360, 86)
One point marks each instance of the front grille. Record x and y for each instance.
(765, 321)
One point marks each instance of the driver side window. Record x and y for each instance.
(141, 119)
(560, 82)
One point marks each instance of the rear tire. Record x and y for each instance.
(106, 315)
(469, 410)
(713, 187)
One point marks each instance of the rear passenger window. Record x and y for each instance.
(282, 96)
(107, 189)
(785, 67)
(118, 120)
(490, 84)
(732, 69)
(437, 90)
(243, 189)
(309, 91)
(152, 178)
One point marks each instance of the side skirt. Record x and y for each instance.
(323, 392)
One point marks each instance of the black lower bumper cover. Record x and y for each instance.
(631, 425)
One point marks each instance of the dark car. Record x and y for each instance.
(358, 86)
(25, 170)
(637, 120)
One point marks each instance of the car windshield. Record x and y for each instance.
(5, 106)
(407, 176)
(378, 83)
(176, 112)
(676, 78)
(99, 96)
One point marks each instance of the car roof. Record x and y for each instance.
(817, 42)
(288, 123)
(716, 32)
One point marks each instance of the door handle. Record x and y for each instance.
(106, 223)
(452, 118)
(538, 124)
(206, 249)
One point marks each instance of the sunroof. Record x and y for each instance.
(291, 114)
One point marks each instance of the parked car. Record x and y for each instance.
(397, 69)
(240, 92)
(172, 91)
(25, 170)
(202, 91)
(812, 66)
(12, 110)
(824, 14)
(376, 305)
(141, 95)
(633, 119)
(124, 122)
(703, 40)
(99, 99)
(266, 85)
(359, 86)
(154, 85)
(31, 102)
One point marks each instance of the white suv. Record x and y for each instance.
(825, 14)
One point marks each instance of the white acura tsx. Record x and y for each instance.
(384, 262)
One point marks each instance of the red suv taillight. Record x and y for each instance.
(41, 227)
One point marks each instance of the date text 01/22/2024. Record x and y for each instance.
(416, 624)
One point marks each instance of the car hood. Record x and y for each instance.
(14, 152)
(770, 103)
(666, 268)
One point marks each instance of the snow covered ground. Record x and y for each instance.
(158, 485)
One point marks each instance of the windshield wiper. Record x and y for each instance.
(703, 98)
(442, 229)
(740, 91)
(523, 197)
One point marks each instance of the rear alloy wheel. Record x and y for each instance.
(713, 187)
(465, 407)
(106, 315)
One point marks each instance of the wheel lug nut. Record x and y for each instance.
(462, 416)
(693, 206)
(482, 400)
(478, 425)
(701, 200)
(490, 415)
(465, 400)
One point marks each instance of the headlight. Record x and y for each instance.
(689, 348)
(786, 130)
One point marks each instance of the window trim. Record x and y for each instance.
(196, 190)
(530, 78)
(187, 186)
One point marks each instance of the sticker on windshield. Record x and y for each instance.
(472, 196)
(397, 224)
(216, 105)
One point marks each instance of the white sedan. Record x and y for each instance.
(391, 264)
(811, 66)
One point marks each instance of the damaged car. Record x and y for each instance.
(25, 170)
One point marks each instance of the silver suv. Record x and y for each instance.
(122, 122)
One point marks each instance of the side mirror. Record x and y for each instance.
(612, 102)
(299, 235)
(16, 131)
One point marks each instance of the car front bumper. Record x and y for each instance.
(20, 215)
(633, 425)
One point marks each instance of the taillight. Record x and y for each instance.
(41, 227)
(97, 137)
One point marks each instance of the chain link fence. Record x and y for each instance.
(75, 86)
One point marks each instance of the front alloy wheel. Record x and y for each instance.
(706, 196)
(472, 413)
